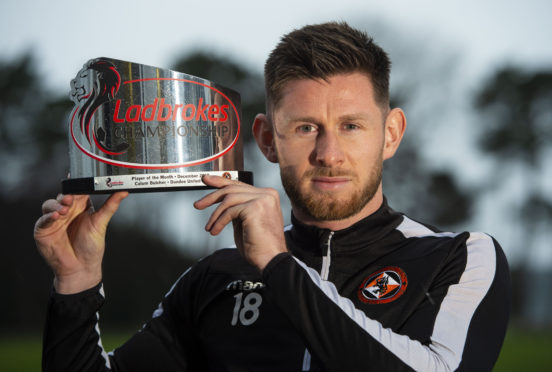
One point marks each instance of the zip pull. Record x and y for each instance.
(326, 260)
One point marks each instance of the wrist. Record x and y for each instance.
(76, 282)
(262, 261)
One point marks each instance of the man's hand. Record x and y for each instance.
(70, 236)
(256, 216)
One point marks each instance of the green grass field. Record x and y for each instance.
(523, 351)
(22, 353)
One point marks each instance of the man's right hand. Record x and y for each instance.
(70, 236)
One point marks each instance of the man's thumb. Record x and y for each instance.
(110, 206)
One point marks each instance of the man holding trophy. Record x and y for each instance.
(350, 285)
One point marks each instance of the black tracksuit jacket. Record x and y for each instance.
(386, 294)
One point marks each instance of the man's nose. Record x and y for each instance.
(329, 150)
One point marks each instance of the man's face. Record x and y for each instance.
(329, 138)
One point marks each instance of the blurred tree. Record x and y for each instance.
(428, 194)
(412, 182)
(516, 130)
(32, 132)
(519, 123)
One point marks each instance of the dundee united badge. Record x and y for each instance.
(383, 286)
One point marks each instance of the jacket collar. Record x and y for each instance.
(355, 237)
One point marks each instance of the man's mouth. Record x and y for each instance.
(324, 183)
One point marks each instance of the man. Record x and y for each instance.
(350, 285)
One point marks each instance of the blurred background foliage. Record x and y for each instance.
(513, 130)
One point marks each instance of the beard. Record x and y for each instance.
(326, 206)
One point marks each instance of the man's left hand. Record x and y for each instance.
(255, 213)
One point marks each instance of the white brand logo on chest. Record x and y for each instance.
(243, 285)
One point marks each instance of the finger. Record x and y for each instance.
(218, 195)
(62, 204)
(218, 181)
(76, 204)
(89, 205)
(227, 216)
(209, 199)
(229, 201)
(51, 205)
(63, 207)
(45, 221)
(108, 209)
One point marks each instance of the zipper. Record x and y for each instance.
(326, 260)
(324, 273)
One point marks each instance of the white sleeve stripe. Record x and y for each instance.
(306, 361)
(411, 352)
(97, 328)
(462, 299)
(412, 229)
(104, 354)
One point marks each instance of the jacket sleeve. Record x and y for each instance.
(72, 339)
(468, 329)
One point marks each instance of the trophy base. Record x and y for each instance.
(155, 182)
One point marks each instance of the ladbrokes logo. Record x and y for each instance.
(160, 111)
(116, 119)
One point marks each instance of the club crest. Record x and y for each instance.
(383, 286)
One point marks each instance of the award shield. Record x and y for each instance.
(142, 129)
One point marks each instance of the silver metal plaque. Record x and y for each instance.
(141, 128)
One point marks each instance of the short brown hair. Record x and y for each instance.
(320, 51)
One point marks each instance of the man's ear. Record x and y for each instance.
(264, 135)
(395, 125)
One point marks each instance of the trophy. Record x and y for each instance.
(140, 128)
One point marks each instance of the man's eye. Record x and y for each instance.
(306, 129)
(350, 126)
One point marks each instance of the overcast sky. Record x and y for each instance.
(64, 34)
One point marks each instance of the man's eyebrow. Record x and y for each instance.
(347, 117)
(356, 116)
(303, 119)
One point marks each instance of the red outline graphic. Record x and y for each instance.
(160, 166)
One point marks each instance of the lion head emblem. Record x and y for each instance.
(95, 84)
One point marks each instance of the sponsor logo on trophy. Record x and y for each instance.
(141, 128)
